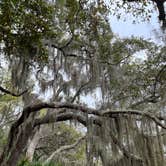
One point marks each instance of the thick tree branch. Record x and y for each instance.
(39, 106)
(75, 107)
(52, 118)
(21, 134)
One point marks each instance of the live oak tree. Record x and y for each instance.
(60, 52)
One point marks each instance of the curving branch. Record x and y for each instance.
(18, 136)
(87, 110)
(58, 105)
(65, 148)
(52, 118)
(12, 93)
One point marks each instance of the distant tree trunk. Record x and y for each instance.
(32, 145)
(104, 158)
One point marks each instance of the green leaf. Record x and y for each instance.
(61, 3)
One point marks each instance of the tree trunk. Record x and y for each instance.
(19, 135)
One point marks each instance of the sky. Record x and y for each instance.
(127, 28)
(144, 29)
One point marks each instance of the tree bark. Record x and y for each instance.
(18, 137)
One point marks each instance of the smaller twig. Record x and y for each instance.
(149, 99)
(157, 78)
(79, 91)
(12, 93)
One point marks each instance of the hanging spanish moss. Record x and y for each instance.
(132, 141)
